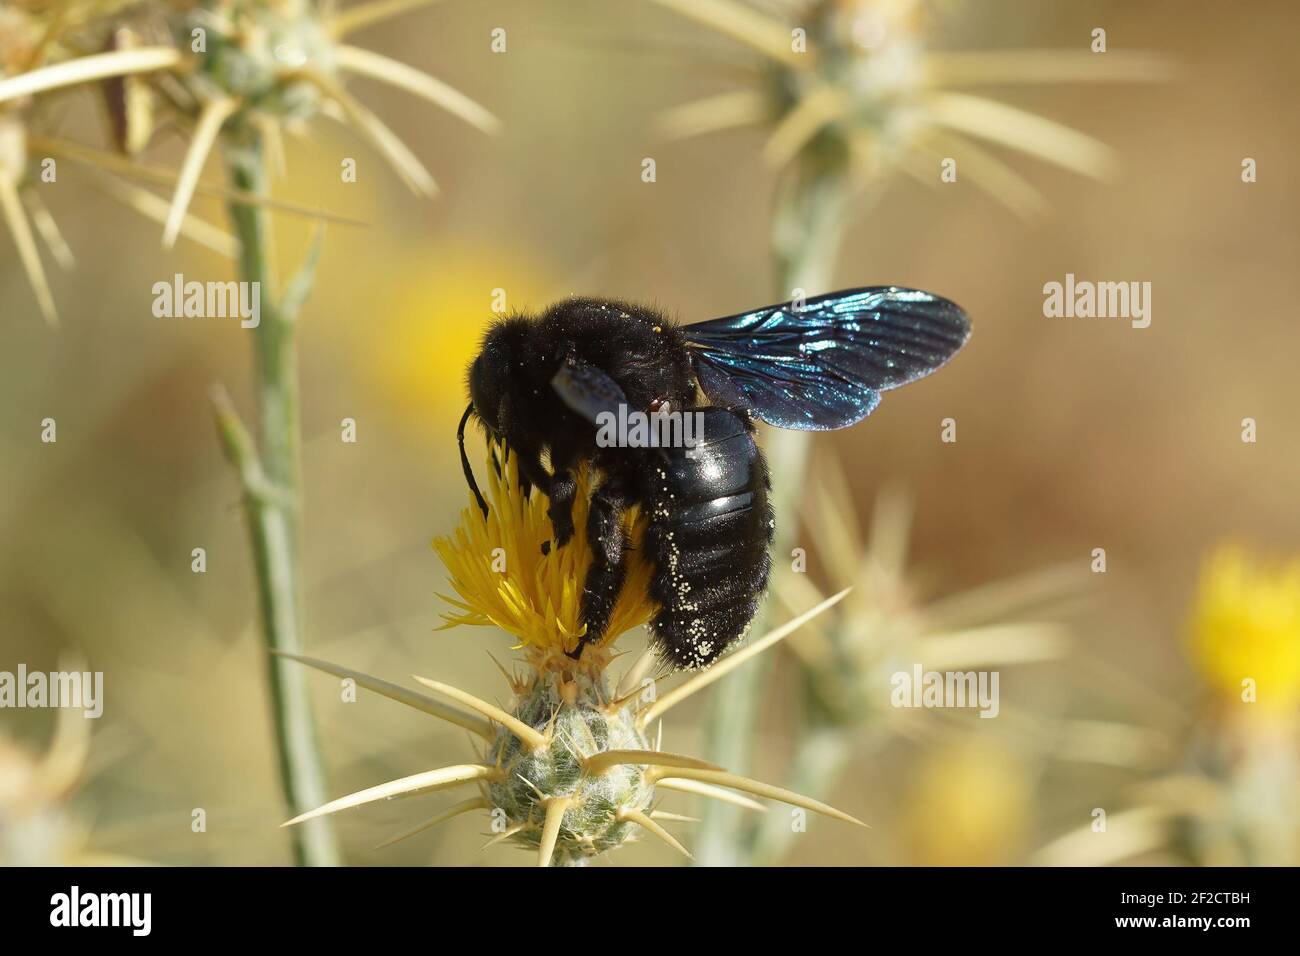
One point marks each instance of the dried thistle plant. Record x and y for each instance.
(21, 42)
(848, 656)
(241, 73)
(852, 81)
(34, 34)
(242, 70)
(256, 67)
(848, 94)
(569, 770)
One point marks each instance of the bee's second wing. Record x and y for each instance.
(823, 364)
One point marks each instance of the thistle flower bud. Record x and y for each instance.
(597, 807)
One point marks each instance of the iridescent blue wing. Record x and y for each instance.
(823, 364)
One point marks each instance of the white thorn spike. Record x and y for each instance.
(529, 735)
(555, 808)
(471, 722)
(646, 823)
(455, 810)
(428, 780)
(729, 663)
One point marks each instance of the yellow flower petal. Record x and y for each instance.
(1246, 628)
(497, 568)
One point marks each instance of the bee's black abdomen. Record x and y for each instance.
(710, 528)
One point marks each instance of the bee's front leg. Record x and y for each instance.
(564, 488)
(560, 490)
(531, 472)
(608, 568)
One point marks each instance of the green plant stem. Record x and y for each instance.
(818, 762)
(272, 485)
(806, 232)
(821, 757)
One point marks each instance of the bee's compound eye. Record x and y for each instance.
(477, 392)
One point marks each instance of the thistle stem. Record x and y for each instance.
(818, 763)
(273, 506)
(806, 230)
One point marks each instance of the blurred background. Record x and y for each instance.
(1072, 435)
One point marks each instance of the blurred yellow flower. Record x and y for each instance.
(497, 567)
(1246, 628)
(441, 303)
(968, 807)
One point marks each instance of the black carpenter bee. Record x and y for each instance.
(548, 385)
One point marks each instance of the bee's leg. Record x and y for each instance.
(531, 472)
(564, 488)
(608, 543)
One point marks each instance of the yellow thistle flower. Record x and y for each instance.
(570, 770)
(1246, 626)
(498, 568)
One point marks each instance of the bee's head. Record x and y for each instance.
(484, 393)
(490, 374)
(489, 384)
(489, 379)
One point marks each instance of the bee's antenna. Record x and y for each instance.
(464, 460)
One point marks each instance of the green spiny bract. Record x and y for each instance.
(251, 50)
(577, 729)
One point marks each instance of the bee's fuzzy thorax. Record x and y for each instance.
(520, 355)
